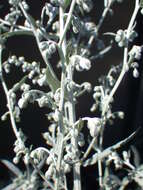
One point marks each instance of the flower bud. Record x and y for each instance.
(94, 126)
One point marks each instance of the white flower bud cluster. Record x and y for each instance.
(65, 167)
(116, 160)
(7, 64)
(76, 25)
(135, 66)
(77, 89)
(126, 156)
(97, 96)
(43, 101)
(97, 93)
(28, 183)
(31, 96)
(135, 73)
(37, 155)
(50, 172)
(48, 48)
(12, 96)
(122, 39)
(16, 113)
(14, 2)
(32, 68)
(136, 52)
(57, 96)
(71, 154)
(90, 27)
(56, 27)
(85, 28)
(4, 116)
(6, 68)
(94, 125)
(42, 80)
(80, 63)
(142, 11)
(115, 115)
(19, 147)
(54, 115)
(25, 5)
(87, 86)
(25, 87)
(86, 5)
(48, 138)
(51, 12)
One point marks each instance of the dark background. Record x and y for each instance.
(128, 97)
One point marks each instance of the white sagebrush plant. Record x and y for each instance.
(65, 149)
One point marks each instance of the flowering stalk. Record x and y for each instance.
(125, 59)
(62, 96)
(68, 21)
(51, 77)
(8, 93)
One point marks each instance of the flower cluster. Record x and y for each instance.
(80, 63)
(122, 39)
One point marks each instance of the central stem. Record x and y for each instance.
(61, 103)
(72, 120)
(67, 72)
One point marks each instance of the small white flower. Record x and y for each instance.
(80, 63)
(94, 125)
(49, 172)
(22, 103)
(43, 101)
(25, 87)
(135, 73)
(136, 52)
(43, 45)
(67, 168)
(52, 48)
(56, 115)
(42, 81)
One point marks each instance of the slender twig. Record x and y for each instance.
(104, 14)
(100, 173)
(123, 71)
(7, 93)
(47, 151)
(17, 26)
(125, 60)
(15, 170)
(68, 21)
(101, 53)
(42, 175)
(89, 148)
(42, 15)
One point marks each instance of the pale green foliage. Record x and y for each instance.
(67, 147)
